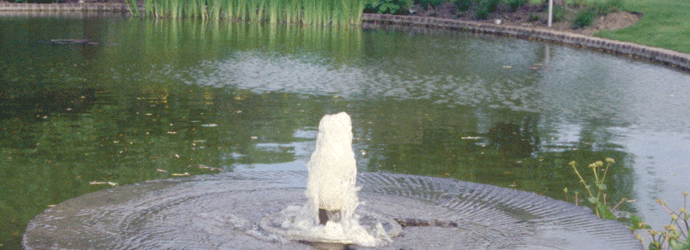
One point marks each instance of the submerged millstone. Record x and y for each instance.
(224, 211)
(371, 229)
(277, 210)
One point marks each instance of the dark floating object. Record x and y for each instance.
(72, 41)
(223, 211)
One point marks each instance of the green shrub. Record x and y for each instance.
(388, 6)
(617, 4)
(490, 5)
(485, 7)
(515, 4)
(579, 3)
(463, 5)
(533, 17)
(604, 8)
(559, 13)
(431, 3)
(584, 18)
(481, 14)
(601, 8)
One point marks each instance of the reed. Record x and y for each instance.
(292, 11)
(306, 12)
(261, 7)
(252, 10)
(190, 9)
(227, 8)
(156, 6)
(241, 10)
(148, 7)
(133, 7)
(273, 11)
(173, 8)
(215, 8)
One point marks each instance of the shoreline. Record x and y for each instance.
(665, 56)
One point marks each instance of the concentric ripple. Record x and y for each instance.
(223, 211)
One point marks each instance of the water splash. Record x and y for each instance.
(329, 215)
(333, 171)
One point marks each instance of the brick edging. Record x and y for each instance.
(49, 7)
(669, 57)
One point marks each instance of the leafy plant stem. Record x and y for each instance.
(582, 180)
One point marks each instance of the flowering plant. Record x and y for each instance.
(675, 234)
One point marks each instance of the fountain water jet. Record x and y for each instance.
(329, 214)
(332, 171)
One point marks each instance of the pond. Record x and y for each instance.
(152, 99)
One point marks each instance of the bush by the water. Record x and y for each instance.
(463, 5)
(484, 8)
(604, 8)
(388, 6)
(589, 14)
(584, 18)
(559, 13)
(515, 4)
(431, 3)
(490, 5)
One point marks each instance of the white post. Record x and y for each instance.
(550, 12)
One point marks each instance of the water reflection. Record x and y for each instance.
(163, 97)
(519, 140)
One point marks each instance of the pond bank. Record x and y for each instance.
(665, 56)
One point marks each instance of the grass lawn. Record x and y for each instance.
(664, 24)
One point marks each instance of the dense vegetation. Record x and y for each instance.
(314, 12)
(664, 24)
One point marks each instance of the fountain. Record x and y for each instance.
(329, 214)
(269, 210)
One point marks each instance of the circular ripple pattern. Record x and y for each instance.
(223, 211)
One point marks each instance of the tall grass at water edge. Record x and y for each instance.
(309, 12)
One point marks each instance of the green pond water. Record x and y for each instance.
(158, 98)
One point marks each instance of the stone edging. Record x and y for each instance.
(665, 56)
(111, 7)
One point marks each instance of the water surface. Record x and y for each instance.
(157, 98)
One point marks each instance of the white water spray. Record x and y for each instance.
(332, 171)
(329, 215)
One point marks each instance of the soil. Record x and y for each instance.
(521, 17)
